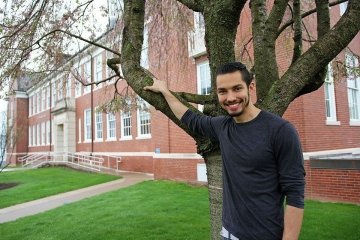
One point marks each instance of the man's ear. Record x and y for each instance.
(252, 86)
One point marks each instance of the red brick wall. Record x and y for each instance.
(184, 170)
(332, 184)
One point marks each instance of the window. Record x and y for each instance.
(79, 134)
(34, 135)
(43, 133)
(30, 106)
(111, 126)
(203, 80)
(87, 125)
(53, 94)
(38, 135)
(48, 98)
(98, 125)
(353, 84)
(330, 105)
(143, 119)
(87, 76)
(144, 60)
(199, 22)
(98, 68)
(48, 132)
(126, 125)
(77, 83)
(68, 87)
(343, 7)
(43, 99)
(30, 136)
(38, 98)
(60, 89)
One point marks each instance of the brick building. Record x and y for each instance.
(58, 114)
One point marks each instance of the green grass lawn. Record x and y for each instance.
(43, 182)
(162, 210)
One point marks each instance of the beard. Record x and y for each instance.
(239, 113)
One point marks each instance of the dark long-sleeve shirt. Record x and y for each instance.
(262, 163)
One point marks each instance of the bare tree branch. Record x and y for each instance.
(195, 5)
(287, 24)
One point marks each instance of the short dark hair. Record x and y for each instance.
(233, 67)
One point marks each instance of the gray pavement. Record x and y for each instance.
(41, 205)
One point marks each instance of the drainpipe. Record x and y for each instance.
(50, 87)
(92, 105)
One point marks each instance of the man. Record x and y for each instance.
(262, 159)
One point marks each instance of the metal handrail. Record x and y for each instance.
(82, 160)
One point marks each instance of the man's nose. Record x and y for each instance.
(231, 97)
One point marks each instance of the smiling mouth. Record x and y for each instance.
(233, 107)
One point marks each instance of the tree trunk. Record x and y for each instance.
(214, 175)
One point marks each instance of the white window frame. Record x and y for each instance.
(124, 115)
(38, 98)
(329, 95)
(199, 76)
(343, 7)
(87, 125)
(34, 135)
(68, 87)
(48, 97)
(110, 118)
(142, 112)
(30, 136)
(79, 129)
(38, 135)
(43, 98)
(43, 134)
(99, 132)
(78, 85)
(60, 88)
(54, 94)
(98, 70)
(30, 105)
(144, 58)
(353, 87)
(48, 132)
(199, 22)
(87, 76)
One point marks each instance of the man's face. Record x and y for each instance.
(233, 93)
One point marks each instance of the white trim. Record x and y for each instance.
(20, 94)
(79, 129)
(333, 123)
(178, 155)
(147, 136)
(126, 138)
(354, 123)
(307, 155)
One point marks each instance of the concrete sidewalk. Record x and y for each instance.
(41, 205)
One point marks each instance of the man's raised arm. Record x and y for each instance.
(176, 106)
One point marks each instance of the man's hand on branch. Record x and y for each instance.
(158, 86)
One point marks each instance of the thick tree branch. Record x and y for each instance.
(323, 27)
(196, 98)
(289, 23)
(314, 60)
(195, 5)
(135, 75)
(276, 15)
(265, 65)
(297, 30)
